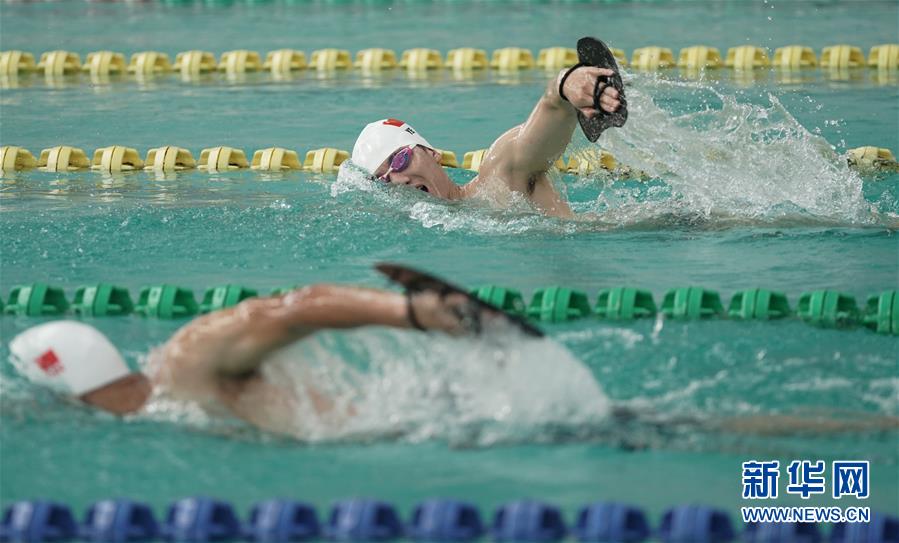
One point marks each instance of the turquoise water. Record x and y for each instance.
(749, 188)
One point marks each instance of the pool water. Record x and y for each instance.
(747, 186)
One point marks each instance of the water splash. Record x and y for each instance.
(735, 158)
(415, 388)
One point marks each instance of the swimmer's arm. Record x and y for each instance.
(270, 324)
(542, 139)
(232, 344)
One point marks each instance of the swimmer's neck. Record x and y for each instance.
(122, 397)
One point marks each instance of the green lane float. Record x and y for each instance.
(623, 303)
(102, 300)
(36, 300)
(554, 304)
(507, 299)
(827, 308)
(692, 303)
(652, 58)
(882, 312)
(225, 296)
(747, 57)
(558, 304)
(166, 302)
(758, 303)
(278, 291)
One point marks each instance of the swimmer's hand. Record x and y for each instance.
(451, 313)
(579, 90)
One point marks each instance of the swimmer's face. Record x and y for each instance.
(423, 173)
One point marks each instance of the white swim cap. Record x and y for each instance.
(381, 138)
(68, 356)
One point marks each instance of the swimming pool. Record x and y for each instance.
(746, 193)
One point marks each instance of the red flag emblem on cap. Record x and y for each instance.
(394, 122)
(49, 363)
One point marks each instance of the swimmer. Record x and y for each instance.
(519, 161)
(216, 359)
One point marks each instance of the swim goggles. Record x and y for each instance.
(399, 161)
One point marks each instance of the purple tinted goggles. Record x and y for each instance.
(398, 162)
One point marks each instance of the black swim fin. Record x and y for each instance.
(418, 281)
(593, 52)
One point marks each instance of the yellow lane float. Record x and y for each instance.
(794, 57)
(467, 58)
(191, 63)
(327, 60)
(13, 158)
(169, 159)
(325, 160)
(63, 158)
(149, 63)
(871, 159)
(373, 60)
(275, 159)
(620, 56)
(421, 59)
(556, 58)
(448, 159)
(284, 61)
(652, 58)
(14, 62)
(884, 57)
(699, 57)
(747, 57)
(105, 63)
(472, 159)
(842, 57)
(512, 59)
(240, 61)
(116, 158)
(588, 161)
(56, 63)
(222, 159)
